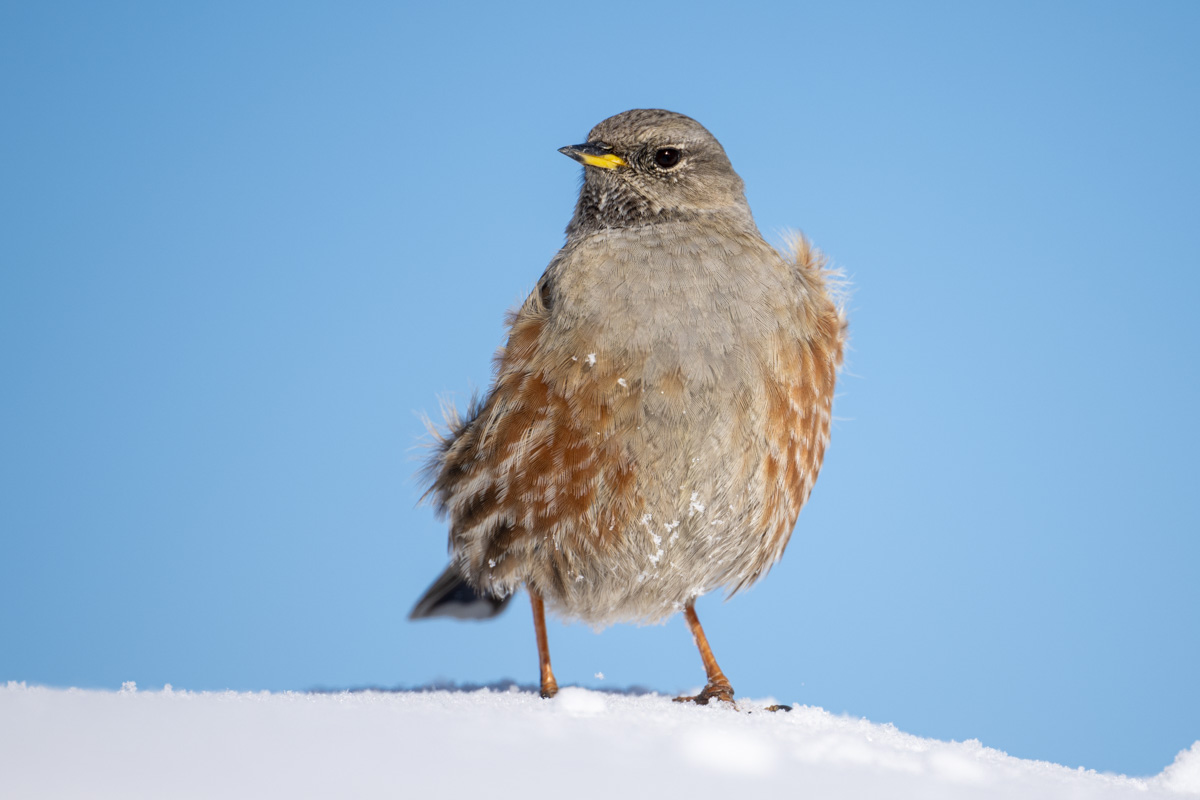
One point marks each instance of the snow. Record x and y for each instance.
(499, 743)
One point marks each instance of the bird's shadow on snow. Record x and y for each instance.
(504, 685)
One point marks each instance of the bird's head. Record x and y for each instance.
(648, 165)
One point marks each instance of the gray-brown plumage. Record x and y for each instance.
(662, 406)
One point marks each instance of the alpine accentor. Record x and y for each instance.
(660, 411)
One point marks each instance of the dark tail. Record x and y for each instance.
(451, 596)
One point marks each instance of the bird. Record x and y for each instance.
(659, 412)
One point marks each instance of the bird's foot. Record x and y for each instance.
(715, 690)
(549, 687)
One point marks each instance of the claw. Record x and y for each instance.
(713, 691)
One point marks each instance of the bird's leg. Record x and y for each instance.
(549, 685)
(718, 685)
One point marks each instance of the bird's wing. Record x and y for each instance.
(537, 459)
(800, 372)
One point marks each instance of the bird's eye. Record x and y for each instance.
(667, 157)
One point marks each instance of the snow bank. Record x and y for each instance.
(77, 743)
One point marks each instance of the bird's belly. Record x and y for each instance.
(694, 448)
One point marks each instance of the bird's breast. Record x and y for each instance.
(676, 302)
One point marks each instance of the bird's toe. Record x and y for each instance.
(713, 691)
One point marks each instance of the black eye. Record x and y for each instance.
(667, 157)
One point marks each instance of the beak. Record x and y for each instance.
(593, 155)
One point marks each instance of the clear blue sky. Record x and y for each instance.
(242, 247)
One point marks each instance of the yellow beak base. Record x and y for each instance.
(606, 161)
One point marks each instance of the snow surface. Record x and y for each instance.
(495, 743)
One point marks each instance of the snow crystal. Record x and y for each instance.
(579, 702)
(734, 751)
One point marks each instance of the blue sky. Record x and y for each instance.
(243, 248)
